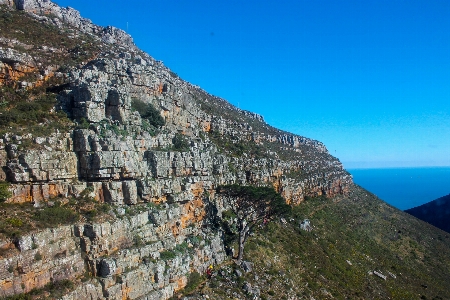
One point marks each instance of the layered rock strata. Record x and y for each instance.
(120, 159)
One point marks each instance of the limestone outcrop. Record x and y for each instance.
(161, 194)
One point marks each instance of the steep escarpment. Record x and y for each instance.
(79, 129)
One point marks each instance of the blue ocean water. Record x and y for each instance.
(405, 188)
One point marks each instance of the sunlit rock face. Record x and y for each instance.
(162, 199)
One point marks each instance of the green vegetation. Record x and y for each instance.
(83, 124)
(352, 236)
(54, 213)
(250, 206)
(106, 128)
(138, 241)
(148, 112)
(171, 254)
(28, 116)
(4, 191)
(194, 280)
(38, 256)
(167, 255)
(180, 143)
(237, 147)
(30, 109)
(33, 32)
(25, 112)
(53, 290)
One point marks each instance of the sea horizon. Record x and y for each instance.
(404, 187)
(400, 167)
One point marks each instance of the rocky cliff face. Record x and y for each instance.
(116, 157)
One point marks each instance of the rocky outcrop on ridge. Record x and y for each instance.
(115, 156)
(48, 11)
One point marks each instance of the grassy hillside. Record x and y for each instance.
(352, 237)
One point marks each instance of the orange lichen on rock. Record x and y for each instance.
(181, 283)
(276, 185)
(13, 73)
(175, 229)
(21, 194)
(197, 189)
(24, 74)
(33, 280)
(193, 212)
(206, 126)
(159, 200)
(125, 292)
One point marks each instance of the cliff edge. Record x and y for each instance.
(111, 161)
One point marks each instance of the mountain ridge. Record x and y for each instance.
(137, 192)
(111, 163)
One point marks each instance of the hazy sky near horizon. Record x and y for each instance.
(369, 79)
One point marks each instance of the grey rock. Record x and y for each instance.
(238, 273)
(247, 266)
(127, 164)
(106, 267)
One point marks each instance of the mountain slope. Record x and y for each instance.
(111, 163)
(436, 212)
(352, 237)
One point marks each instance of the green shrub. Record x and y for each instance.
(19, 297)
(56, 215)
(195, 240)
(38, 256)
(83, 124)
(146, 126)
(167, 255)
(194, 281)
(251, 246)
(228, 214)
(180, 143)
(138, 241)
(4, 191)
(148, 112)
(181, 248)
(29, 115)
(26, 112)
(139, 106)
(15, 222)
(237, 147)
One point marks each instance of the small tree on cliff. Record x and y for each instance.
(250, 206)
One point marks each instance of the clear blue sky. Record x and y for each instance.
(370, 79)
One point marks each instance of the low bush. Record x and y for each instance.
(195, 279)
(167, 255)
(4, 191)
(53, 290)
(148, 112)
(56, 215)
(237, 147)
(180, 143)
(38, 256)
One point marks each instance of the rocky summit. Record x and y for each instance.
(111, 164)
